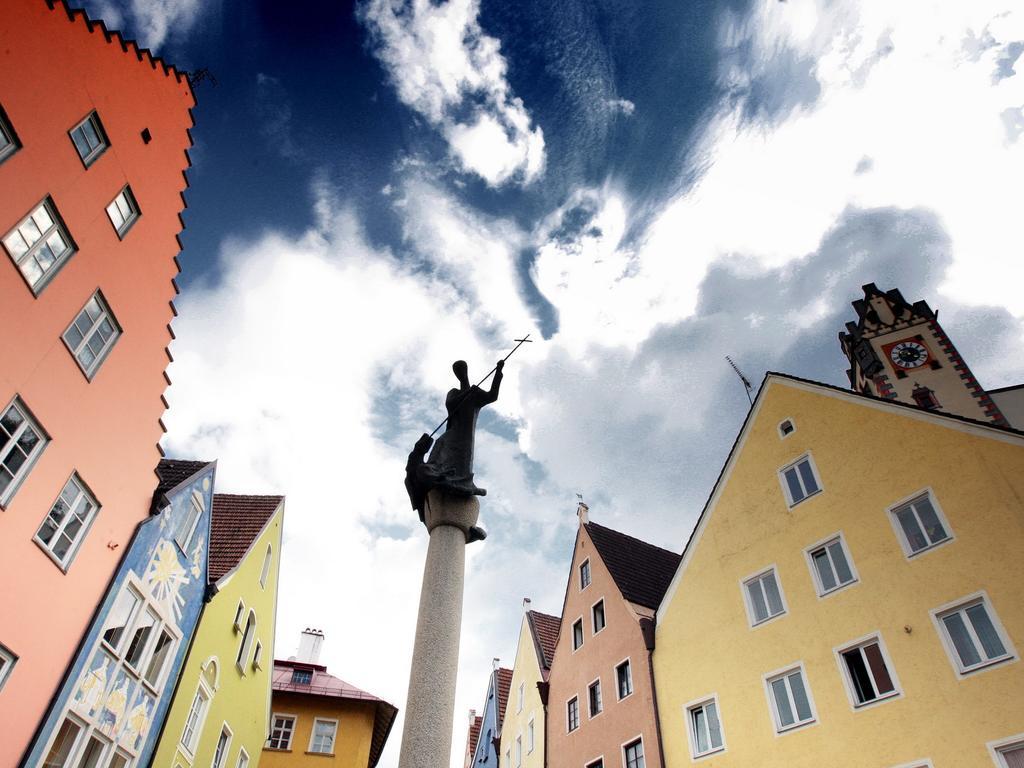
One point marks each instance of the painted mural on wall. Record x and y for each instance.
(110, 708)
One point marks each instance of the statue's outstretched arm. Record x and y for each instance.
(492, 394)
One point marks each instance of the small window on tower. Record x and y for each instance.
(786, 428)
(925, 397)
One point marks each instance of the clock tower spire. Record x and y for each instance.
(898, 351)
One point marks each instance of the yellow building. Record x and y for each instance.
(220, 713)
(853, 592)
(523, 728)
(319, 720)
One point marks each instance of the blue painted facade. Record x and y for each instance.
(486, 755)
(118, 690)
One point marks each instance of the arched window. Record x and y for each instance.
(247, 640)
(267, 559)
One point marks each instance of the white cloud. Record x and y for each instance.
(151, 22)
(446, 68)
(625, 106)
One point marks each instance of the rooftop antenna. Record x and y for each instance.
(199, 75)
(746, 382)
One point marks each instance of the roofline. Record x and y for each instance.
(279, 509)
(953, 421)
(186, 481)
(538, 651)
(1004, 389)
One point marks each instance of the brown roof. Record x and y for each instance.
(474, 733)
(236, 522)
(544, 628)
(504, 684)
(171, 473)
(641, 571)
(324, 684)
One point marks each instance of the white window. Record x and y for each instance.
(243, 759)
(799, 480)
(577, 634)
(584, 574)
(188, 523)
(1008, 753)
(322, 739)
(123, 211)
(633, 754)
(145, 627)
(831, 565)
(267, 559)
(67, 522)
(624, 679)
(64, 743)
(572, 713)
(594, 698)
(920, 524)
(21, 442)
(705, 728)
(119, 760)
(530, 737)
(120, 618)
(89, 139)
(599, 763)
(973, 635)
(790, 699)
(519, 751)
(92, 334)
(163, 651)
(764, 597)
(39, 245)
(281, 733)
(302, 676)
(867, 671)
(257, 656)
(194, 720)
(247, 640)
(220, 754)
(519, 698)
(786, 428)
(597, 614)
(9, 143)
(8, 660)
(239, 616)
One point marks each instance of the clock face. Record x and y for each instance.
(908, 354)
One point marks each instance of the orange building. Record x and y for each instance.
(93, 140)
(601, 706)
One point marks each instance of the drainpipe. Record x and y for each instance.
(543, 687)
(647, 629)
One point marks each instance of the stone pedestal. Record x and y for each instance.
(430, 706)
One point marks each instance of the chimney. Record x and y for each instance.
(309, 646)
(582, 512)
(526, 604)
(472, 717)
(495, 663)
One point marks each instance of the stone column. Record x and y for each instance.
(430, 705)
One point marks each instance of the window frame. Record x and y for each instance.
(819, 588)
(520, 696)
(239, 613)
(780, 427)
(7, 128)
(597, 762)
(797, 725)
(593, 617)
(9, 660)
(101, 133)
(591, 686)
(752, 621)
(590, 575)
(998, 746)
(76, 744)
(222, 763)
(257, 655)
(334, 735)
(106, 313)
(531, 732)
(787, 494)
(242, 754)
(583, 633)
(202, 691)
(629, 675)
(844, 672)
(83, 532)
(568, 720)
(688, 709)
(519, 750)
(267, 561)
(246, 644)
(638, 739)
(196, 502)
(962, 604)
(901, 536)
(133, 205)
(58, 225)
(923, 763)
(30, 461)
(291, 732)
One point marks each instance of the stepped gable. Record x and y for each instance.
(236, 523)
(641, 571)
(868, 319)
(544, 629)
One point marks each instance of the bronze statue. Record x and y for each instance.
(450, 464)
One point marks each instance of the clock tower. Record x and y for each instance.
(898, 351)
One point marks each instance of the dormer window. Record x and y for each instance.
(925, 397)
(302, 676)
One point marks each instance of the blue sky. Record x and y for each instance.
(381, 188)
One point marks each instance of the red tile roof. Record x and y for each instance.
(544, 628)
(324, 684)
(641, 571)
(236, 522)
(504, 684)
(474, 733)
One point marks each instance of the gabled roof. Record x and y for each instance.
(641, 571)
(170, 474)
(325, 685)
(867, 318)
(544, 629)
(236, 523)
(474, 734)
(503, 677)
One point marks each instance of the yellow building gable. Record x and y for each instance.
(219, 716)
(853, 593)
(522, 730)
